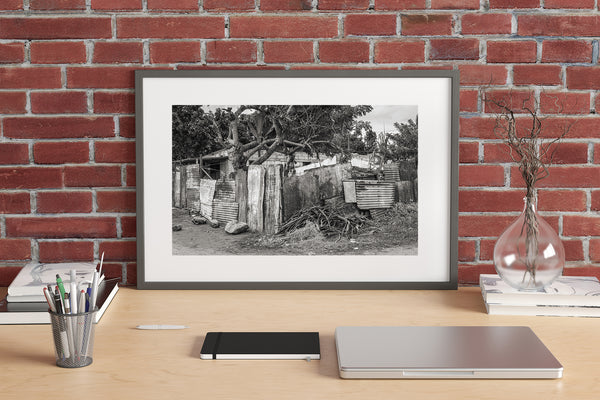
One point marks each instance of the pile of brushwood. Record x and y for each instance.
(330, 219)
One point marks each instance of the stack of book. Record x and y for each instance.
(25, 302)
(568, 296)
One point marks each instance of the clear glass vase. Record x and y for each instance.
(529, 255)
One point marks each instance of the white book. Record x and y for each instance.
(550, 311)
(33, 277)
(581, 291)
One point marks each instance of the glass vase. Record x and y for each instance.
(529, 255)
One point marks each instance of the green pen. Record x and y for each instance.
(61, 287)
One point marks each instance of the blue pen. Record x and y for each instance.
(87, 299)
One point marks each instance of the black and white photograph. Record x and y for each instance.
(295, 179)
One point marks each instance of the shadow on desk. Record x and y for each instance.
(11, 352)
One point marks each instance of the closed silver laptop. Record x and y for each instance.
(444, 352)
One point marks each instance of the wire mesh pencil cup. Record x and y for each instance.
(73, 338)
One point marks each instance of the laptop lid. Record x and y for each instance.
(453, 352)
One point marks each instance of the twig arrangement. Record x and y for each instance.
(329, 219)
(533, 153)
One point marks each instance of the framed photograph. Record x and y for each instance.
(297, 179)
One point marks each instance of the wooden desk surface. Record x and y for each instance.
(166, 364)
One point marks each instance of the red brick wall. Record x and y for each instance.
(67, 159)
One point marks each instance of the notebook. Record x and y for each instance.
(437, 352)
(261, 346)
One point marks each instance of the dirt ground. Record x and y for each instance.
(204, 240)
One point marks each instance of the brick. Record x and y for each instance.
(399, 51)
(595, 200)
(12, 53)
(13, 102)
(187, 5)
(127, 127)
(482, 74)
(468, 152)
(93, 176)
(237, 51)
(561, 200)
(469, 100)
(114, 102)
(436, 67)
(58, 52)
(563, 177)
(55, 28)
(486, 24)
(455, 4)
(566, 51)
(567, 153)
(64, 202)
(116, 201)
(490, 200)
(174, 52)
(486, 249)
(57, 4)
(466, 250)
(116, 4)
(131, 271)
(519, 101)
(574, 4)
(481, 175)
(343, 5)
(101, 77)
(554, 127)
(30, 178)
(344, 51)
(573, 250)
(281, 27)
(595, 250)
(14, 203)
(581, 225)
(11, 5)
(115, 152)
(454, 49)
(128, 226)
(514, 3)
(113, 270)
(30, 78)
(426, 24)
(231, 5)
(171, 27)
(483, 225)
(288, 51)
(15, 249)
(14, 153)
(61, 227)
(61, 152)
(537, 74)
(66, 251)
(58, 127)
(477, 127)
(118, 52)
(564, 103)
(587, 78)
(496, 153)
(119, 250)
(130, 175)
(559, 25)
(392, 5)
(370, 24)
(469, 274)
(58, 102)
(522, 51)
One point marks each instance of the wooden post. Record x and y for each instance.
(256, 190)
(241, 194)
(272, 199)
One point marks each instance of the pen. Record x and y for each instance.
(73, 298)
(49, 299)
(88, 295)
(61, 287)
(94, 294)
(73, 276)
(81, 302)
(58, 300)
(64, 341)
(67, 304)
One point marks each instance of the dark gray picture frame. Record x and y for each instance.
(145, 219)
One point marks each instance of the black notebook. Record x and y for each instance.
(261, 346)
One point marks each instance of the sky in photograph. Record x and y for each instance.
(382, 118)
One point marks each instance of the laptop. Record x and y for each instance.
(443, 352)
